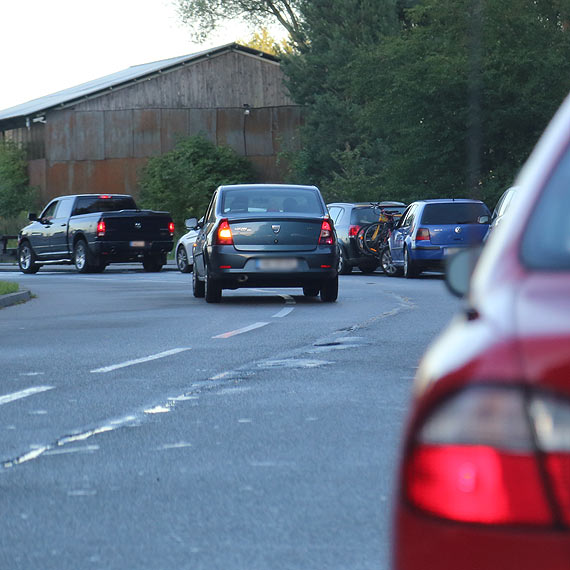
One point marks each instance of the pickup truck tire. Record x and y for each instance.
(81, 257)
(27, 258)
(153, 264)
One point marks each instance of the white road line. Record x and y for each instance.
(240, 331)
(23, 394)
(139, 360)
(283, 312)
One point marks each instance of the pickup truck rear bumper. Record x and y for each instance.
(130, 251)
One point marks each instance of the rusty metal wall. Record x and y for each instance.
(104, 151)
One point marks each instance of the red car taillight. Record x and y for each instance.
(101, 228)
(353, 230)
(224, 233)
(327, 235)
(483, 455)
(171, 228)
(423, 234)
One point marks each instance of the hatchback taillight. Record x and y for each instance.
(101, 228)
(422, 234)
(224, 233)
(327, 234)
(482, 457)
(353, 230)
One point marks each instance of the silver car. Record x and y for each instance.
(185, 244)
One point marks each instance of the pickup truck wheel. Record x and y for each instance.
(213, 290)
(152, 264)
(80, 256)
(27, 258)
(198, 287)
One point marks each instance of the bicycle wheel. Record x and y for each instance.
(373, 238)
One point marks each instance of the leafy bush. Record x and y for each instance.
(183, 180)
(16, 195)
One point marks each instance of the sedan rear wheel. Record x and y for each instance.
(213, 290)
(329, 290)
(310, 291)
(198, 287)
(182, 262)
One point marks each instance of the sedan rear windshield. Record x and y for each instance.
(92, 204)
(260, 201)
(453, 213)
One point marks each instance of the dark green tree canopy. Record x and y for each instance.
(16, 195)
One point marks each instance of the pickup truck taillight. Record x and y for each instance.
(101, 228)
(171, 228)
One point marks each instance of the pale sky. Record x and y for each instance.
(50, 45)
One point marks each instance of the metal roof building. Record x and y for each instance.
(98, 135)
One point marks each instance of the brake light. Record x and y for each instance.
(104, 196)
(171, 228)
(353, 230)
(101, 228)
(224, 234)
(474, 460)
(327, 235)
(423, 234)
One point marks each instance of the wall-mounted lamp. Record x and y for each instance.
(247, 109)
(41, 119)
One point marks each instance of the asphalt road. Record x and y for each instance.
(143, 428)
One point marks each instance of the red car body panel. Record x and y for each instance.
(516, 334)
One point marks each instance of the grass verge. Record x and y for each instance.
(7, 287)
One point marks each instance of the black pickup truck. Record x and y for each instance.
(93, 230)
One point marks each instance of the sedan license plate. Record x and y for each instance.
(278, 264)
(137, 244)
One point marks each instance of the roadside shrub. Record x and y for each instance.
(183, 180)
(16, 195)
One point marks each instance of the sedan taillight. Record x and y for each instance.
(327, 235)
(224, 233)
(483, 455)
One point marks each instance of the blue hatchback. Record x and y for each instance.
(430, 230)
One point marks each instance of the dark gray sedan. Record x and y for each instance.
(266, 235)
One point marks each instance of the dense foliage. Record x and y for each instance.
(418, 98)
(182, 181)
(16, 195)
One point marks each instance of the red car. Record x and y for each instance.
(484, 481)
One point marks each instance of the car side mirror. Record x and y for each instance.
(33, 217)
(483, 220)
(459, 269)
(191, 223)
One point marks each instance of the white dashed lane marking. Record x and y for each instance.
(139, 360)
(23, 394)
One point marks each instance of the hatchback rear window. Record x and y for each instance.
(260, 201)
(453, 213)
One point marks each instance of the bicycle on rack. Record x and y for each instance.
(372, 239)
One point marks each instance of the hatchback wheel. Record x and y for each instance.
(344, 268)
(387, 264)
(410, 269)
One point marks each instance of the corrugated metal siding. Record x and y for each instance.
(118, 134)
(173, 126)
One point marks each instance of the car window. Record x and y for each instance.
(453, 213)
(546, 241)
(49, 212)
(94, 204)
(335, 213)
(408, 218)
(260, 201)
(365, 215)
(64, 208)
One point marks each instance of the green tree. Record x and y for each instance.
(182, 181)
(462, 94)
(264, 41)
(203, 16)
(16, 195)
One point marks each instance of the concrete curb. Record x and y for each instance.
(14, 298)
